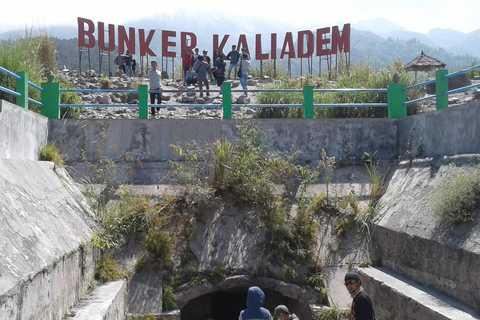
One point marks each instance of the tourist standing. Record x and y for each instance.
(202, 68)
(233, 56)
(362, 307)
(155, 81)
(255, 310)
(220, 70)
(243, 72)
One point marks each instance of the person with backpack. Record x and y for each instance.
(220, 70)
(202, 68)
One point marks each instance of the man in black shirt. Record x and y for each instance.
(362, 308)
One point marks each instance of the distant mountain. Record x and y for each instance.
(453, 41)
(380, 26)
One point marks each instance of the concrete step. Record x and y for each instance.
(106, 302)
(398, 298)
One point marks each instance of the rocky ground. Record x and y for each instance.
(175, 94)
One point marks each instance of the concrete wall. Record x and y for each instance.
(413, 242)
(444, 132)
(22, 132)
(43, 222)
(150, 140)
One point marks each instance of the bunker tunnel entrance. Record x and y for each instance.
(227, 305)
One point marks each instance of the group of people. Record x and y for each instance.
(198, 67)
(362, 307)
(126, 63)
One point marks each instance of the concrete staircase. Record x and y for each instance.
(393, 293)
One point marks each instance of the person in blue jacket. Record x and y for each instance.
(233, 56)
(255, 310)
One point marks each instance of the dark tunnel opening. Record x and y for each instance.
(227, 305)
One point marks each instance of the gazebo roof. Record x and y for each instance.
(424, 63)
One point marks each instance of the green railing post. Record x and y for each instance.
(50, 97)
(143, 101)
(441, 86)
(308, 102)
(227, 100)
(22, 88)
(397, 96)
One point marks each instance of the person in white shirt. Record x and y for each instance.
(155, 79)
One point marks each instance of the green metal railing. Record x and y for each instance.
(396, 96)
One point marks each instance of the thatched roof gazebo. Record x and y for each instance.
(424, 63)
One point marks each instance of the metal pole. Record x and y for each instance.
(89, 66)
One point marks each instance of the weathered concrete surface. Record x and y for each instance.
(150, 140)
(397, 298)
(145, 291)
(43, 268)
(22, 132)
(413, 242)
(106, 302)
(450, 131)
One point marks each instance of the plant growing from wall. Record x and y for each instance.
(457, 200)
(168, 298)
(51, 153)
(106, 270)
(333, 313)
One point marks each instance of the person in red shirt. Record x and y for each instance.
(187, 62)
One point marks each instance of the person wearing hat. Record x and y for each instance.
(255, 309)
(362, 308)
(282, 313)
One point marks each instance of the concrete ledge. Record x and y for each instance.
(107, 302)
(395, 297)
(22, 132)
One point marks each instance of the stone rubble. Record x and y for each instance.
(170, 100)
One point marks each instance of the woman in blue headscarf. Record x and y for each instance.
(255, 310)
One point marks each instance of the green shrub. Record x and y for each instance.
(104, 83)
(358, 77)
(106, 270)
(334, 313)
(51, 153)
(168, 298)
(458, 199)
(34, 54)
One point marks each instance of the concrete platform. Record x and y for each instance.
(106, 302)
(397, 298)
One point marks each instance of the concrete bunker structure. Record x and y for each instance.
(228, 298)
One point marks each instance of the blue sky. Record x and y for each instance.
(415, 15)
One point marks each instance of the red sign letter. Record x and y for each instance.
(101, 37)
(341, 42)
(145, 45)
(222, 45)
(291, 48)
(258, 48)
(273, 46)
(183, 39)
(242, 43)
(165, 43)
(82, 33)
(301, 37)
(323, 41)
(123, 39)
